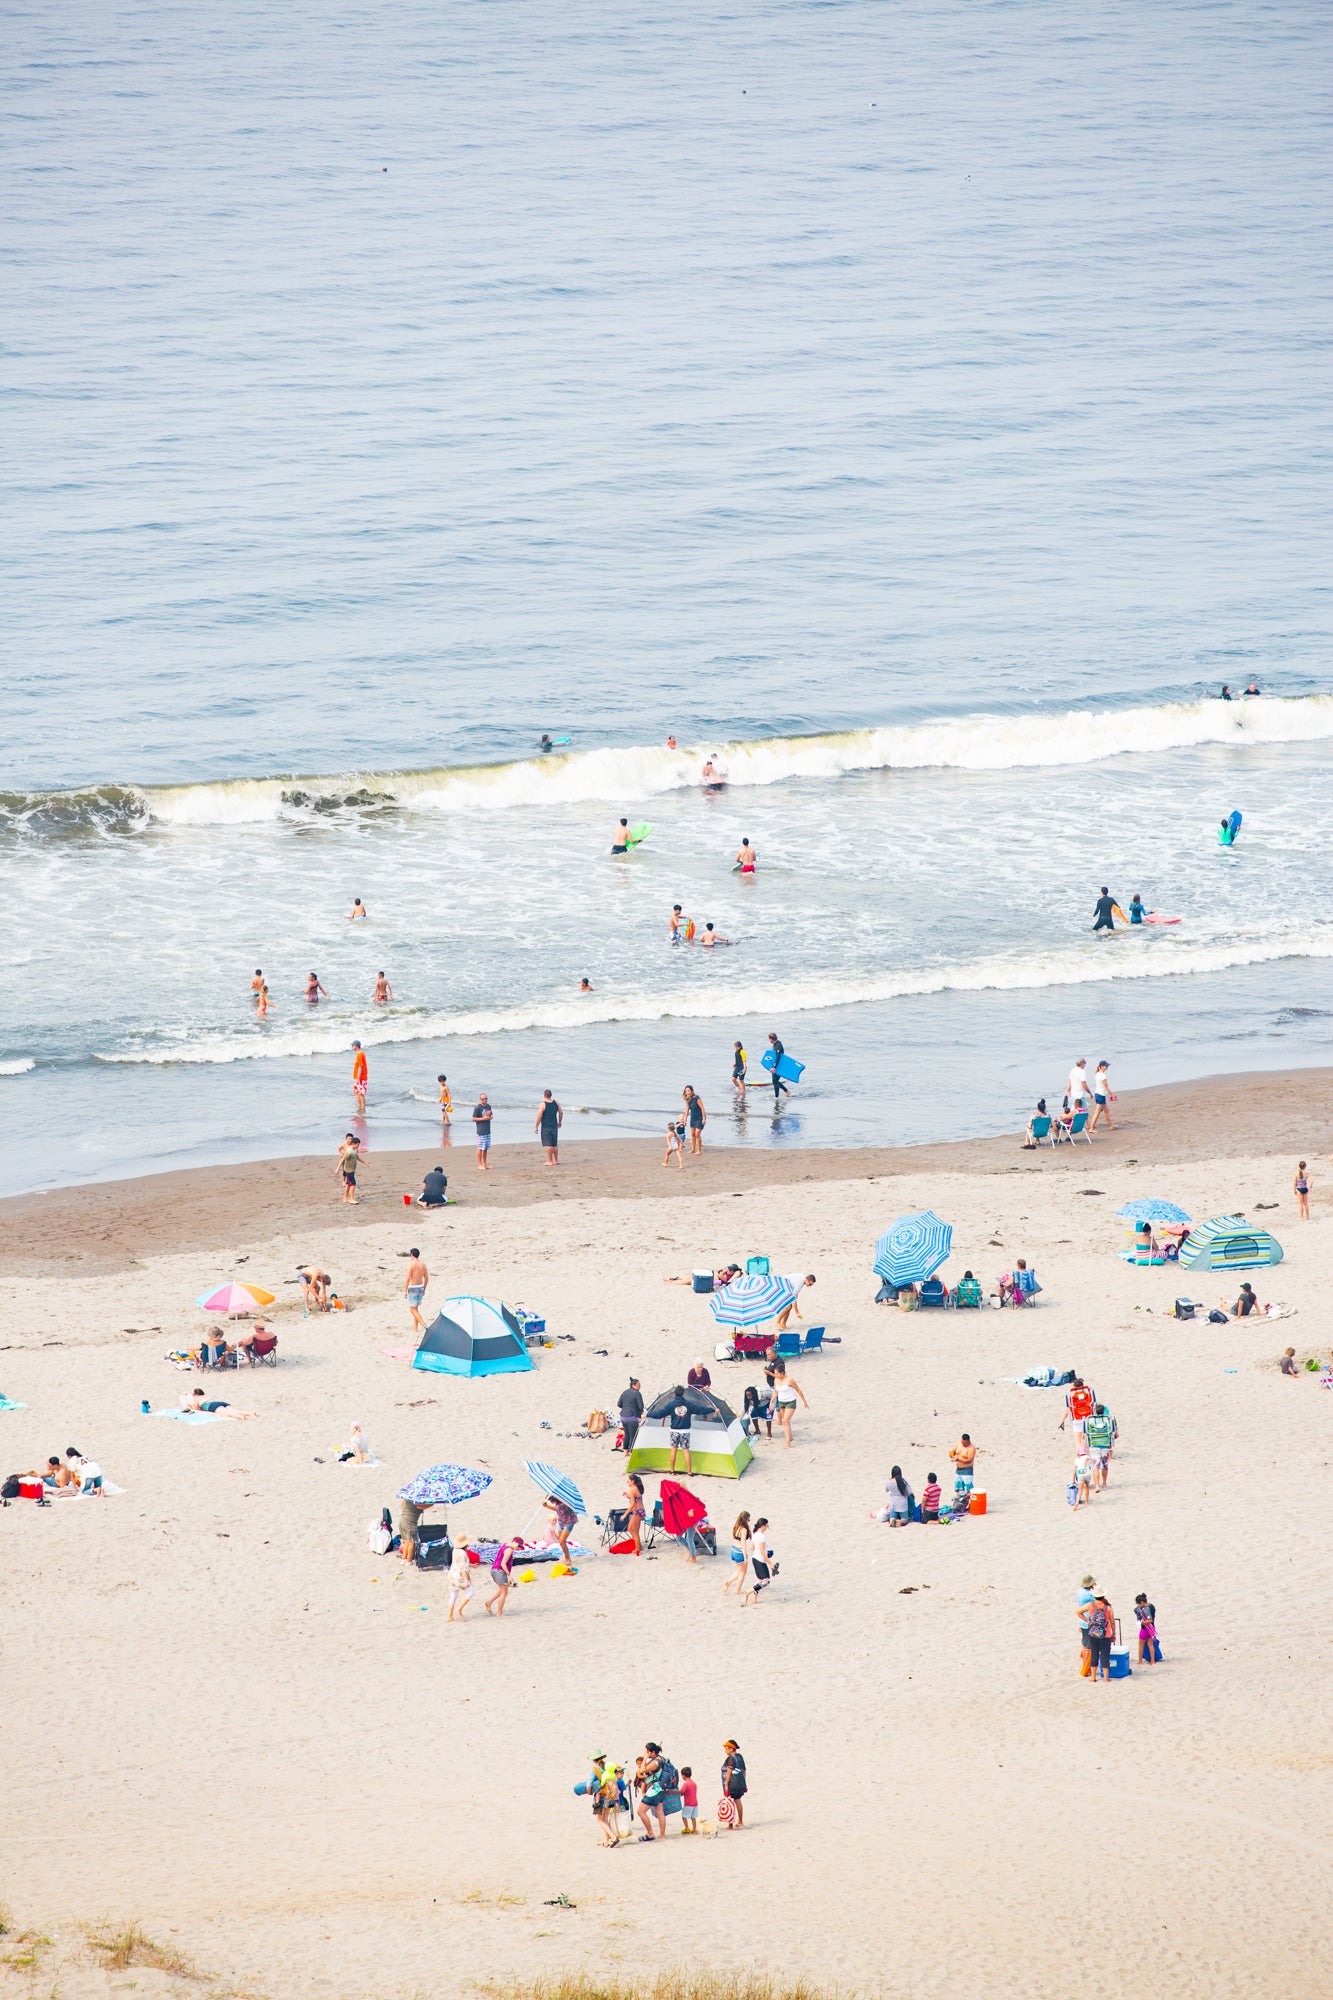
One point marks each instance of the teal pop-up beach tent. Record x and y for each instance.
(1228, 1243)
(472, 1337)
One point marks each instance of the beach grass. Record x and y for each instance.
(120, 1947)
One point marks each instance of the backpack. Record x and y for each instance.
(1098, 1624)
(668, 1777)
(1080, 1403)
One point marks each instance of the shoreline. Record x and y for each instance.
(104, 1226)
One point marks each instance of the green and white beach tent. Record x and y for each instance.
(1229, 1243)
(718, 1444)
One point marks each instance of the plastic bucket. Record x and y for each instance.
(703, 1281)
(977, 1504)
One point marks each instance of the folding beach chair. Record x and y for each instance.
(787, 1345)
(814, 1340)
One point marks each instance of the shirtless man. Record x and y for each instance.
(711, 937)
(709, 774)
(964, 1456)
(360, 1075)
(415, 1281)
(357, 910)
(257, 983)
(620, 838)
(671, 743)
(313, 989)
(676, 928)
(383, 991)
(746, 856)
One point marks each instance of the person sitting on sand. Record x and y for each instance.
(1246, 1304)
(1288, 1362)
(57, 1474)
(434, 1189)
(358, 1447)
(86, 1472)
(698, 1376)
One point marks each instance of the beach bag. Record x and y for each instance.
(724, 1351)
(1217, 1318)
(597, 1423)
(378, 1539)
(1071, 1493)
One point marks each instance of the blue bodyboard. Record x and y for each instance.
(788, 1068)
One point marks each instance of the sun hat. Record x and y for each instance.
(1088, 1582)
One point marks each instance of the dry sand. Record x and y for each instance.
(228, 1720)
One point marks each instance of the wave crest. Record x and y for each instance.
(622, 775)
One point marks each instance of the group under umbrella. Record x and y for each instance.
(914, 1248)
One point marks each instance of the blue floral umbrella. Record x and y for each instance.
(1149, 1209)
(914, 1248)
(749, 1301)
(555, 1485)
(444, 1485)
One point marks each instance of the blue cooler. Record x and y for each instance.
(1120, 1667)
(703, 1281)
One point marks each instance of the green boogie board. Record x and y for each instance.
(638, 834)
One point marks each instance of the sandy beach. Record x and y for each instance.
(229, 1722)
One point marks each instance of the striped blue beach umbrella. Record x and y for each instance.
(914, 1248)
(555, 1485)
(749, 1301)
(1149, 1209)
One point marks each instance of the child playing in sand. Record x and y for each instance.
(1146, 1613)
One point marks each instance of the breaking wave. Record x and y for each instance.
(1134, 958)
(621, 775)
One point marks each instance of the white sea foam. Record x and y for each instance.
(1130, 957)
(619, 775)
(18, 1067)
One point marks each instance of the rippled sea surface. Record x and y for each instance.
(919, 409)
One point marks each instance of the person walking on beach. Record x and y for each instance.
(1300, 1187)
(548, 1122)
(1099, 1432)
(650, 1775)
(762, 1564)
(349, 1158)
(313, 990)
(446, 1100)
(679, 1427)
(738, 1067)
(1098, 1621)
(785, 1391)
(779, 1086)
(415, 1281)
(501, 1578)
(1079, 1089)
(734, 1784)
(383, 991)
(695, 1116)
(742, 1547)
(631, 1413)
(1103, 1097)
(481, 1118)
(460, 1584)
(1106, 911)
(360, 1076)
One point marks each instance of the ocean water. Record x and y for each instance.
(921, 409)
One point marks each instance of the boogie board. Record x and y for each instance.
(556, 743)
(789, 1069)
(1155, 919)
(639, 833)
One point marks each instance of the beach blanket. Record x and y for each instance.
(190, 1416)
(398, 1353)
(8, 1403)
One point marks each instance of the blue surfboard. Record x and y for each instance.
(789, 1069)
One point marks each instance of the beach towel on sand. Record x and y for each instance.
(190, 1416)
(8, 1403)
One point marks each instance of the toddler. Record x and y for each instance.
(675, 1143)
(460, 1583)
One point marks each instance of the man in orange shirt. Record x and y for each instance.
(360, 1076)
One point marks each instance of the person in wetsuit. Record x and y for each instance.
(1106, 911)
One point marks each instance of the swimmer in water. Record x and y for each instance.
(709, 776)
(1225, 694)
(671, 743)
(261, 1000)
(710, 937)
(585, 984)
(257, 983)
(546, 743)
(446, 1099)
(357, 910)
(620, 838)
(313, 989)
(383, 991)
(1137, 913)
(746, 857)
(1253, 688)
